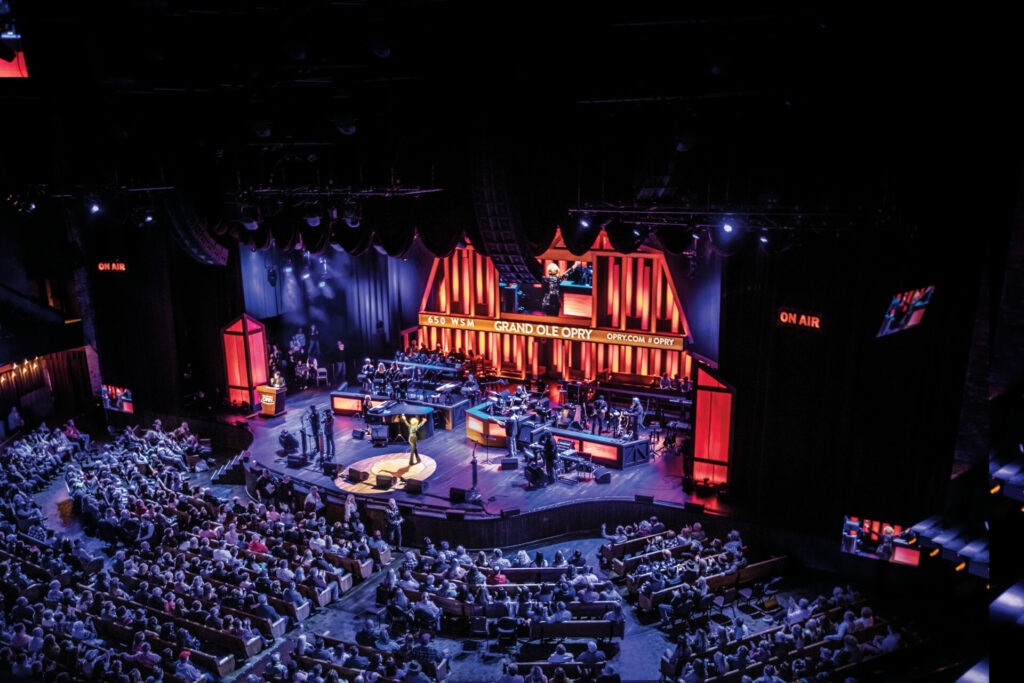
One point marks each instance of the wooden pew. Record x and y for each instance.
(561, 630)
(572, 669)
(343, 672)
(270, 629)
(237, 645)
(436, 670)
(613, 551)
(625, 565)
(222, 665)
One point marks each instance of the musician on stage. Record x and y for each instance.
(535, 477)
(550, 453)
(366, 374)
(314, 425)
(636, 417)
(512, 425)
(551, 304)
(327, 420)
(470, 387)
(599, 410)
(414, 427)
(521, 393)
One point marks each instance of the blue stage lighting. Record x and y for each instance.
(94, 208)
(727, 227)
(584, 223)
(764, 239)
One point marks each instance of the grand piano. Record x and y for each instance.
(390, 413)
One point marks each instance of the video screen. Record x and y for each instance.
(905, 310)
(566, 291)
(880, 541)
(117, 399)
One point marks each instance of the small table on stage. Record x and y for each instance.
(271, 400)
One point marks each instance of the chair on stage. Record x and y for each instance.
(321, 374)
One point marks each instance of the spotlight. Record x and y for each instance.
(727, 227)
(764, 239)
(148, 218)
(584, 222)
(94, 208)
(313, 220)
(31, 206)
(351, 216)
(321, 284)
(250, 225)
(305, 274)
(288, 268)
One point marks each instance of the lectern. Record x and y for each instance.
(271, 400)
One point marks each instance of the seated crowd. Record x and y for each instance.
(194, 584)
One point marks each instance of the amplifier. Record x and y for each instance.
(509, 463)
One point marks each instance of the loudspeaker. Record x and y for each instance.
(358, 433)
(457, 495)
(509, 463)
(384, 481)
(379, 432)
(296, 460)
(510, 513)
(693, 507)
(644, 499)
(416, 486)
(357, 476)
(602, 476)
(330, 469)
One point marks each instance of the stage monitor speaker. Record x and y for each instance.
(644, 499)
(416, 486)
(356, 476)
(693, 507)
(358, 433)
(384, 481)
(509, 463)
(379, 432)
(455, 514)
(457, 495)
(296, 460)
(510, 513)
(330, 469)
(602, 476)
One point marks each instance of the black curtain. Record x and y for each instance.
(69, 378)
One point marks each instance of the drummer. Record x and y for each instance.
(521, 394)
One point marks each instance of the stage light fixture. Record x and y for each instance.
(31, 207)
(584, 222)
(250, 225)
(321, 284)
(727, 227)
(763, 239)
(351, 215)
(313, 220)
(305, 275)
(148, 218)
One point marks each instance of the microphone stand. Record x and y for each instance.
(473, 494)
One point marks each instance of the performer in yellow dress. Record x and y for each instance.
(414, 427)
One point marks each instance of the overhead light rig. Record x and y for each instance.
(752, 219)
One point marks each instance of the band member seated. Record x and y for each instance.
(288, 442)
(664, 382)
(520, 394)
(470, 387)
(686, 386)
(366, 374)
(598, 414)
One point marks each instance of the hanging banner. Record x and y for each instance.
(552, 331)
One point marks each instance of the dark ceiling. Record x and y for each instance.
(662, 103)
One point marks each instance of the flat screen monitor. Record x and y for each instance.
(905, 310)
(117, 399)
(880, 541)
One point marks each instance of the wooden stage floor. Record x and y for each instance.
(451, 453)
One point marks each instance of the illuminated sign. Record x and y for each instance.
(795, 319)
(268, 399)
(551, 331)
(111, 267)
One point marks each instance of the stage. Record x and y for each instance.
(446, 464)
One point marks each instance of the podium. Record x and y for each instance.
(271, 400)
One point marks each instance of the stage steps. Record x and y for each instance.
(231, 473)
